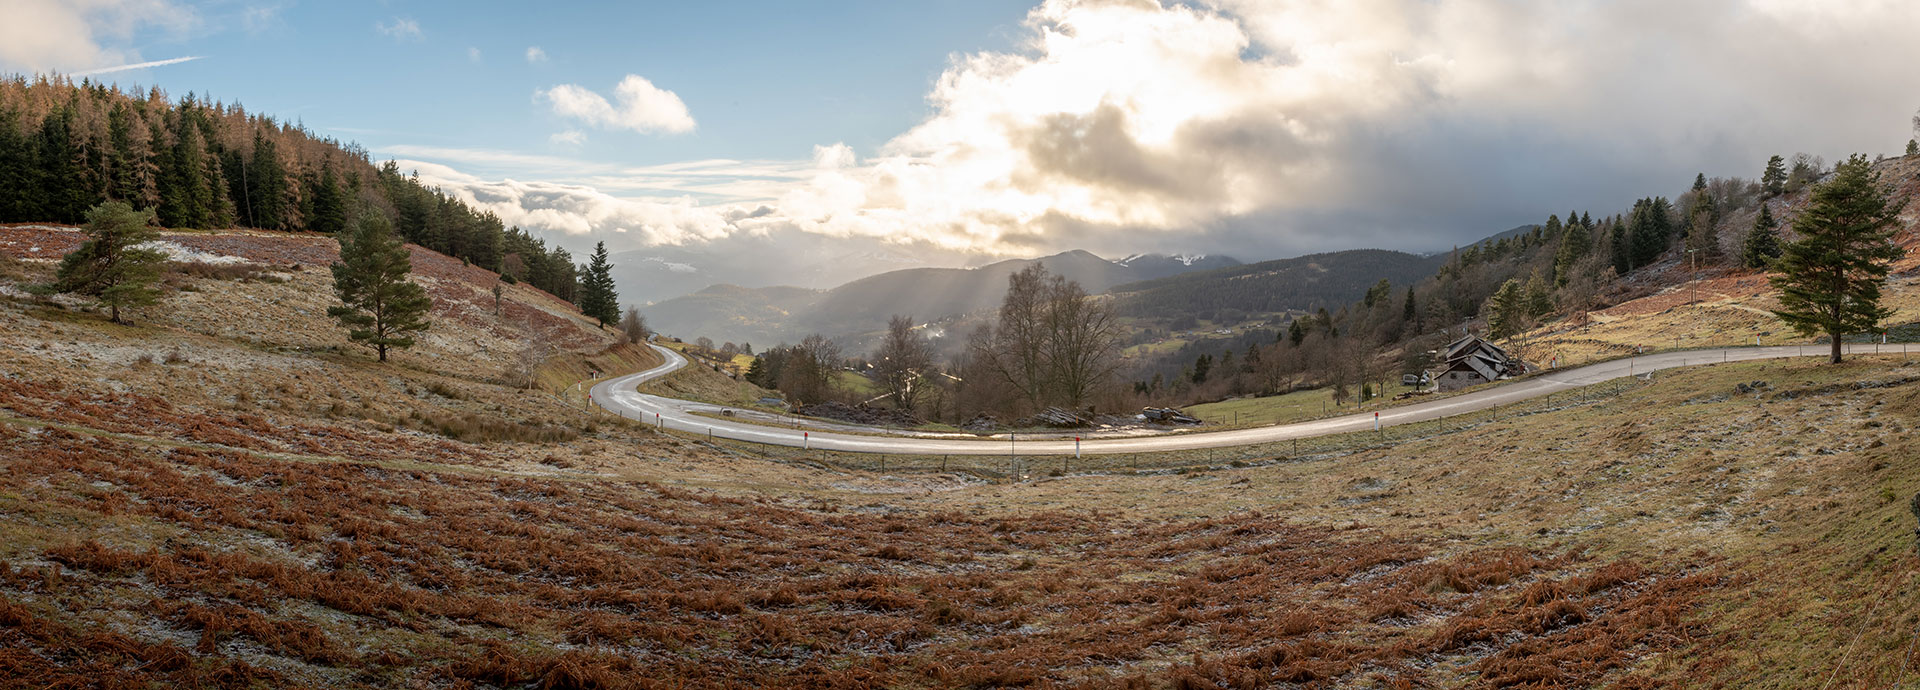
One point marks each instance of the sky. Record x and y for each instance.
(956, 131)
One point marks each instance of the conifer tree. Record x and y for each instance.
(1762, 245)
(1506, 310)
(1574, 246)
(1774, 179)
(1539, 298)
(111, 265)
(599, 297)
(380, 307)
(1913, 147)
(329, 204)
(1829, 279)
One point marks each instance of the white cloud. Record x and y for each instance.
(637, 105)
(571, 137)
(1310, 125)
(400, 29)
(473, 55)
(581, 210)
(134, 66)
(67, 36)
(1267, 127)
(536, 55)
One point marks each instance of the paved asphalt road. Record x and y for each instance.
(619, 396)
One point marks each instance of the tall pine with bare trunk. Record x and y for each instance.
(1829, 279)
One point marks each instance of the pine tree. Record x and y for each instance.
(1652, 230)
(1762, 245)
(329, 204)
(1539, 298)
(19, 171)
(111, 265)
(599, 297)
(1829, 280)
(1913, 147)
(380, 307)
(1409, 312)
(1506, 310)
(1553, 228)
(1774, 180)
(1573, 247)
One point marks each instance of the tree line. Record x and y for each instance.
(65, 147)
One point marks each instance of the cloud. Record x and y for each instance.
(571, 137)
(1297, 126)
(400, 29)
(134, 66)
(1264, 128)
(637, 105)
(61, 35)
(582, 210)
(473, 55)
(536, 55)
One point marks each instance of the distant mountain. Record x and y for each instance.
(1332, 280)
(771, 315)
(731, 313)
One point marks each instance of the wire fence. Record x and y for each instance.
(1016, 467)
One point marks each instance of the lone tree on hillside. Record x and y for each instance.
(903, 358)
(599, 298)
(111, 266)
(634, 326)
(1829, 280)
(379, 306)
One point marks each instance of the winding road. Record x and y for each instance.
(620, 396)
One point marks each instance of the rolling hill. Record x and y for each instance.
(1315, 280)
(774, 314)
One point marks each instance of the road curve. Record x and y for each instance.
(619, 396)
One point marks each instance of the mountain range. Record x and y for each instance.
(768, 315)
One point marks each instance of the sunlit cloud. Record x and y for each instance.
(1277, 126)
(571, 137)
(637, 105)
(581, 210)
(39, 36)
(536, 55)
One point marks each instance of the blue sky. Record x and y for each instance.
(765, 80)
(947, 131)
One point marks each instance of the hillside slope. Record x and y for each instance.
(1317, 280)
(777, 314)
(279, 515)
(1669, 305)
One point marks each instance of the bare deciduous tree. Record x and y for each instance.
(808, 372)
(902, 360)
(633, 325)
(533, 352)
(1053, 343)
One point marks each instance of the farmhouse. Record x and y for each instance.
(1471, 361)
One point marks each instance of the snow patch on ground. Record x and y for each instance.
(189, 255)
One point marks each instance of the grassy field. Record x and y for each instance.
(286, 512)
(1291, 407)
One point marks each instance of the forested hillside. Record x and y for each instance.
(65, 146)
(1305, 282)
(1555, 272)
